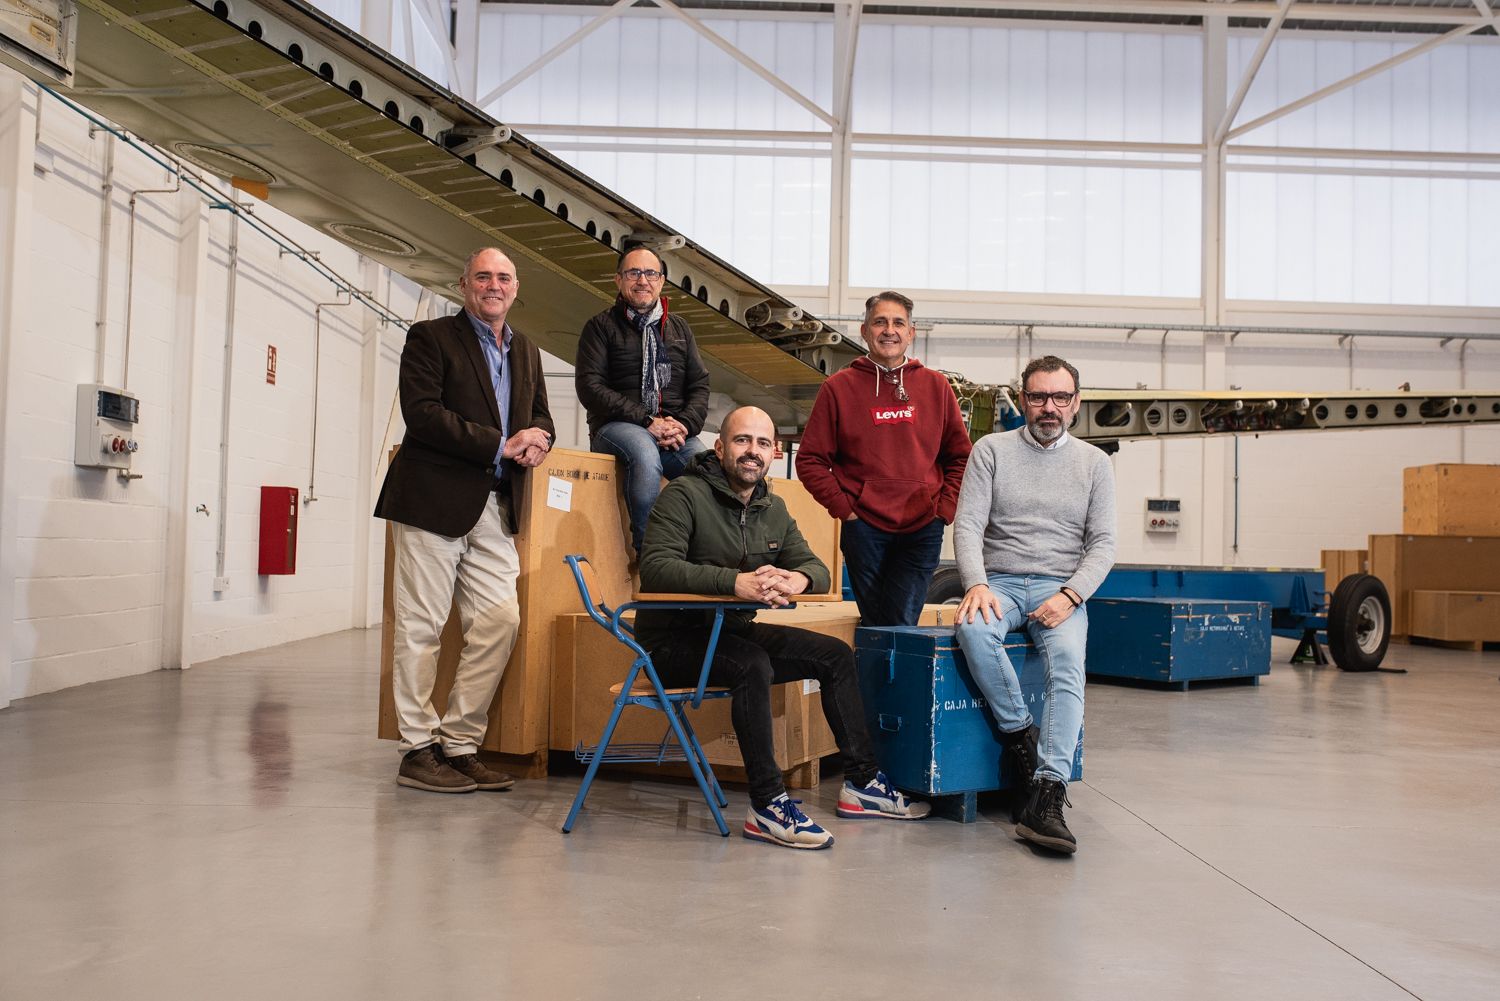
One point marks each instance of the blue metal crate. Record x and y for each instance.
(932, 730)
(1178, 640)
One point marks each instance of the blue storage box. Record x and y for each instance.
(1178, 640)
(932, 730)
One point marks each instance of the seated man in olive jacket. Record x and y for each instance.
(719, 530)
(642, 383)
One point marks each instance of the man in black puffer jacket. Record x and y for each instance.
(719, 530)
(643, 385)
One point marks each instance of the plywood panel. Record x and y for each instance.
(591, 522)
(589, 660)
(1340, 563)
(1451, 499)
(1466, 616)
(1407, 563)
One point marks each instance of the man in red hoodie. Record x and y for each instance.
(885, 450)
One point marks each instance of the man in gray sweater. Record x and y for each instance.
(1034, 536)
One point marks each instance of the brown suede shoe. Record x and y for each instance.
(469, 766)
(425, 768)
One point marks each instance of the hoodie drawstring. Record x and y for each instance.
(900, 380)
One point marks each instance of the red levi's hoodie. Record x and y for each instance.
(896, 464)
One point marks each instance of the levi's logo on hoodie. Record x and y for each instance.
(897, 413)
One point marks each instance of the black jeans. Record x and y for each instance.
(890, 572)
(748, 663)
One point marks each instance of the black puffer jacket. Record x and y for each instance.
(607, 373)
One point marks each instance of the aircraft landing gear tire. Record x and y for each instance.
(1359, 623)
(947, 588)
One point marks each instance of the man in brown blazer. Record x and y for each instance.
(475, 406)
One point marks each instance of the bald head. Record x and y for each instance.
(747, 440)
(489, 285)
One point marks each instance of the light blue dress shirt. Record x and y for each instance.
(496, 356)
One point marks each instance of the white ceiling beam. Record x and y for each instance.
(629, 131)
(1365, 74)
(1193, 150)
(843, 93)
(971, 12)
(466, 47)
(1336, 153)
(433, 19)
(618, 8)
(1266, 38)
(750, 64)
(1397, 13)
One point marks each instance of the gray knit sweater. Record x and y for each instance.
(1028, 510)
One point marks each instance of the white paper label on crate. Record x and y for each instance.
(559, 493)
(810, 685)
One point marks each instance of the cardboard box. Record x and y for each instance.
(588, 521)
(589, 660)
(1450, 499)
(1462, 616)
(1408, 563)
(572, 504)
(1340, 563)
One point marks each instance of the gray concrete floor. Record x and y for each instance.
(235, 831)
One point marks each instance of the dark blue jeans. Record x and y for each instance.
(645, 465)
(749, 663)
(890, 571)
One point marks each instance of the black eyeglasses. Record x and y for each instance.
(636, 274)
(1040, 399)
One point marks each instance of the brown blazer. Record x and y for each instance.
(445, 469)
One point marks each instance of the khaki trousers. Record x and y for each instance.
(479, 572)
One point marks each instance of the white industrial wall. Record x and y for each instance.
(102, 577)
(105, 577)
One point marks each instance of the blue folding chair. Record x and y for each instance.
(679, 743)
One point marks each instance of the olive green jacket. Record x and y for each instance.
(700, 536)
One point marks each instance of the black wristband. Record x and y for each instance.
(1071, 595)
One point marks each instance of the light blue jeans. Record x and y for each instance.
(1062, 649)
(645, 465)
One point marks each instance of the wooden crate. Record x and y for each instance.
(1340, 563)
(572, 504)
(1407, 563)
(582, 514)
(1450, 499)
(588, 661)
(1458, 616)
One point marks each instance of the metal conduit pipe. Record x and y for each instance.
(130, 270)
(1463, 383)
(312, 462)
(1161, 452)
(106, 211)
(226, 397)
(216, 200)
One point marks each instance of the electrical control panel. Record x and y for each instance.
(106, 435)
(1163, 514)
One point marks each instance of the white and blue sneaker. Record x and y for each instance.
(780, 822)
(879, 798)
